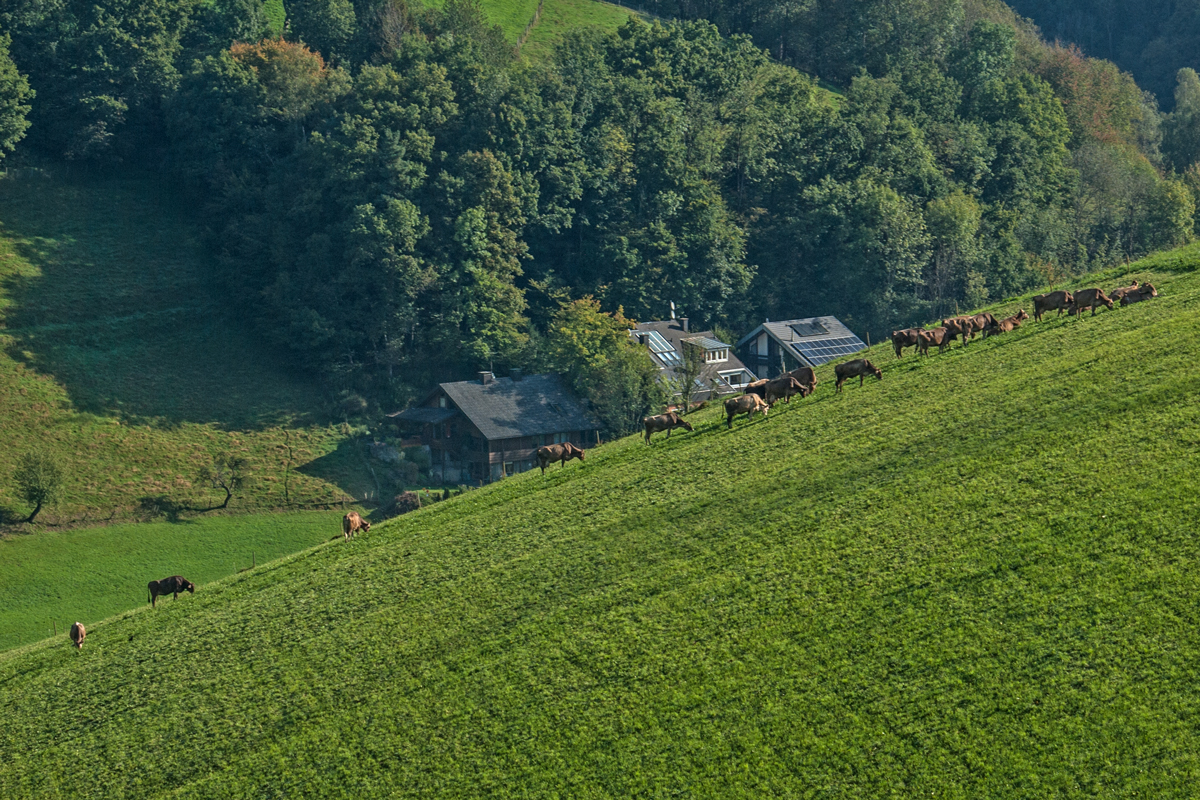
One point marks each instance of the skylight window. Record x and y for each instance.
(661, 348)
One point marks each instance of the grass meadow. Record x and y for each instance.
(118, 357)
(559, 17)
(58, 577)
(975, 578)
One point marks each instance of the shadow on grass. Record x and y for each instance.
(113, 296)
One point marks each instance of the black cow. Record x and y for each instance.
(174, 586)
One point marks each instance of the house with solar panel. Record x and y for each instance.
(774, 348)
(487, 429)
(723, 372)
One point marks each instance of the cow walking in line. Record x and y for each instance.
(664, 422)
(548, 454)
(1089, 298)
(909, 337)
(1060, 300)
(859, 367)
(78, 633)
(747, 404)
(352, 523)
(937, 336)
(783, 388)
(174, 586)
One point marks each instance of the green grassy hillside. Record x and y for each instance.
(118, 357)
(59, 577)
(975, 578)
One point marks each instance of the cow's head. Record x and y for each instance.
(191, 587)
(1021, 314)
(366, 526)
(687, 426)
(878, 372)
(1148, 289)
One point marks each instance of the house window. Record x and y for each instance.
(442, 401)
(508, 469)
(559, 438)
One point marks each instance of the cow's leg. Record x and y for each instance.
(860, 380)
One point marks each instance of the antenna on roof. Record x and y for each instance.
(672, 309)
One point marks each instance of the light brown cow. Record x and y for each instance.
(1060, 300)
(909, 337)
(1006, 325)
(859, 367)
(664, 422)
(937, 336)
(1144, 292)
(78, 633)
(548, 454)
(807, 378)
(352, 523)
(1089, 298)
(746, 404)
(783, 388)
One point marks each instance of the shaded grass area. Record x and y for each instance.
(90, 574)
(119, 358)
(976, 578)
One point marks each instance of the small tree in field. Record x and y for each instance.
(688, 373)
(229, 473)
(38, 480)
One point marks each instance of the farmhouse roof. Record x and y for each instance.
(812, 341)
(667, 351)
(505, 408)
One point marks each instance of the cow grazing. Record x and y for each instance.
(746, 404)
(352, 523)
(959, 326)
(1116, 295)
(1060, 300)
(664, 422)
(1144, 292)
(78, 633)
(807, 378)
(758, 387)
(909, 337)
(562, 453)
(1089, 298)
(174, 586)
(938, 336)
(859, 367)
(1006, 325)
(783, 388)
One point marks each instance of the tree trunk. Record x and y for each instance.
(35, 512)
(228, 494)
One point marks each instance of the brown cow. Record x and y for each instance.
(352, 523)
(758, 387)
(174, 585)
(859, 367)
(807, 378)
(980, 322)
(783, 388)
(959, 326)
(909, 337)
(746, 404)
(1042, 303)
(562, 453)
(1144, 292)
(1006, 325)
(1118, 294)
(1089, 298)
(938, 336)
(78, 633)
(664, 422)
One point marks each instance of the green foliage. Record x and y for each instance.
(971, 578)
(229, 473)
(1181, 128)
(38, 481)
(15, 95)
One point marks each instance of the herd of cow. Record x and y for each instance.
(760, 395)
(967, 326)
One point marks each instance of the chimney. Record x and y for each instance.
(486, 377)
(516, 374)
(684, 322)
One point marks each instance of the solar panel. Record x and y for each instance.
(809, 327)
(663, 349)
(821, 351)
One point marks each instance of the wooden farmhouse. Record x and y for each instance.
(777, 347)
(483, 430)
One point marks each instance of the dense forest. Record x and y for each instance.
(397, 197)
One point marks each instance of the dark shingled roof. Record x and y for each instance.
(536, 404)
(428, 416)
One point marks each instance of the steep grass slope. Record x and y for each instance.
(975, 578)
(59, 577)
(119, 358)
